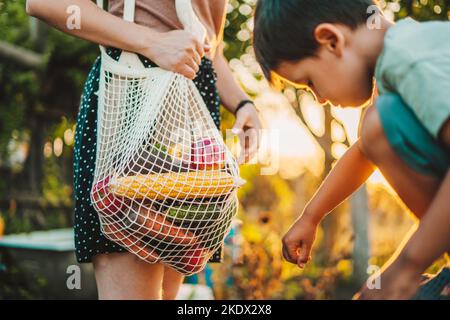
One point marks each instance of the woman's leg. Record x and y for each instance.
(123, 276)
(172, 281)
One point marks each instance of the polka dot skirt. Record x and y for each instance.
(89, 239)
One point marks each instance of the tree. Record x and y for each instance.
(41, 74)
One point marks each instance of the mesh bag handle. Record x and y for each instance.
(126, 58)
(186, 15)
(189, 19)
(128, 10)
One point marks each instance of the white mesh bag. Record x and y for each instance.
(165, 184)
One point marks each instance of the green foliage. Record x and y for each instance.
(15, 285)
(18, 86)
(423, 10)
(49, 96)
(14, 22)
(56, 88)
(237, 28)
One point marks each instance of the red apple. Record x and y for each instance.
(194, 259)
(207, 154)
(103, 200)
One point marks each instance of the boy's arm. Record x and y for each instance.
(349, 173)
(432, 237)
(401, 276)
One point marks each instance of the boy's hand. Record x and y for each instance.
(298, 241)
(398, 280)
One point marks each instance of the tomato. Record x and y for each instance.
(131, 242)
(207, 154)
(104, 201)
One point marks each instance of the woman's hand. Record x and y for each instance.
(248, 127)
(178, 51)
(247, 124)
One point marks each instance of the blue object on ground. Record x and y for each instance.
(53, 240)
(49, 255)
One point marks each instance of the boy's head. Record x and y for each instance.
(315, 43)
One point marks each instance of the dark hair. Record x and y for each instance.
(284, 29)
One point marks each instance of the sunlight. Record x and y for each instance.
(377, 179)
(349, 117)
(294, 140)
(313, 113)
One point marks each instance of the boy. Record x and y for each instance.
(336, 48)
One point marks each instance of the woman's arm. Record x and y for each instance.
(230, 92)
(97, 25)
(247, 123)
(177, 50)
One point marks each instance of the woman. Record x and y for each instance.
(158, 38)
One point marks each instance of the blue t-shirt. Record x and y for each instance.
(415, 64)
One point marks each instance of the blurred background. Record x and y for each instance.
(42, 72)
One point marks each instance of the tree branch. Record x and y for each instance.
(323, 141)
(24, 57)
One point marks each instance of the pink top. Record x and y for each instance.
(161, 15)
